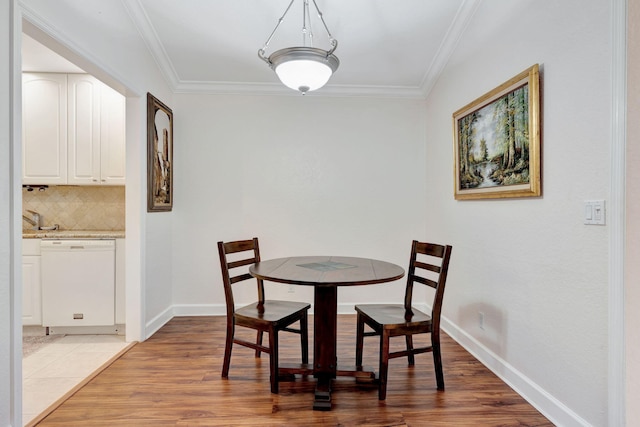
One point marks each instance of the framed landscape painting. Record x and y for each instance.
(497, 141)
(159, 156)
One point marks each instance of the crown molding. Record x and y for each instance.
(150, 37)
(278, 89)
(449, 43)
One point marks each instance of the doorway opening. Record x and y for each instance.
(90, 350)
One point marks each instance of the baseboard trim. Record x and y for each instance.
(161, 319)
(558, 413)
(152, 326)
(200, 310)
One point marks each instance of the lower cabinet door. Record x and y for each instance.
(31, 291)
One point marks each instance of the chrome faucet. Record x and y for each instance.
(35, 221)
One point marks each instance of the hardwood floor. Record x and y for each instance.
(173, 379)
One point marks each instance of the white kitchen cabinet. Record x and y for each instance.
(83, 129)
(44, 128)
(85, 144)
(112, 137)
(31, 283)
(96, 132)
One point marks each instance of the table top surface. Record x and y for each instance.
(326, 271)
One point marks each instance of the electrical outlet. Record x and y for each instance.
(481, 320)
(291, 289)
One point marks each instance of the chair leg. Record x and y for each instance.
(273, 359)
(304, 338)
(437, 360)
(410, 357)
(228, 345)
(258, 342)
(384, 365)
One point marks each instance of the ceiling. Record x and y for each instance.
(385, 47)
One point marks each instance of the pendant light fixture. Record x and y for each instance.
(304, 68)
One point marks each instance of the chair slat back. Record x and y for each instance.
(430, 270)
(249, 253)
(236, 264)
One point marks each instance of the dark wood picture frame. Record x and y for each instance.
(159, 156)
(496, 141)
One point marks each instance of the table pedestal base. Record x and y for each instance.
(324, 368)
(322, 394)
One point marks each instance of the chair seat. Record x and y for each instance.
(392, 316)
(273, 311)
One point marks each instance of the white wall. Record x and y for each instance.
(306, 175)
(538, 274)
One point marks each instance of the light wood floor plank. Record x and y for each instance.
(173, 379)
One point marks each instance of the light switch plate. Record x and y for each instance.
(594, 212)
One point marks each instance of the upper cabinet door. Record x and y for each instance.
(44, 128)
(83, 130)
(112, 137)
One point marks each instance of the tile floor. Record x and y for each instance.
(56, 368)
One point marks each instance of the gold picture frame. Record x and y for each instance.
(159, 156)
(496, 141)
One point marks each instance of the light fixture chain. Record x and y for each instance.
(306, 17)
(305, 32)
(331, 39)
(266, 44)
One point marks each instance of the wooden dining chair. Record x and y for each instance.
(269, 316)
(391, 320)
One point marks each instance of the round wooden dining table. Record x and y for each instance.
(325, 274)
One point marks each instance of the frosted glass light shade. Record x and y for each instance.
(303, 75)
(304, 68)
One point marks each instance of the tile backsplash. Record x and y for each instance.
(77, 207)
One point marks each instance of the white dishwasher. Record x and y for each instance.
(78, 282)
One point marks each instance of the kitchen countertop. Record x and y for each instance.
(73, 234)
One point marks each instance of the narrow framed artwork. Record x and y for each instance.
(496, 141)
(159, 156)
